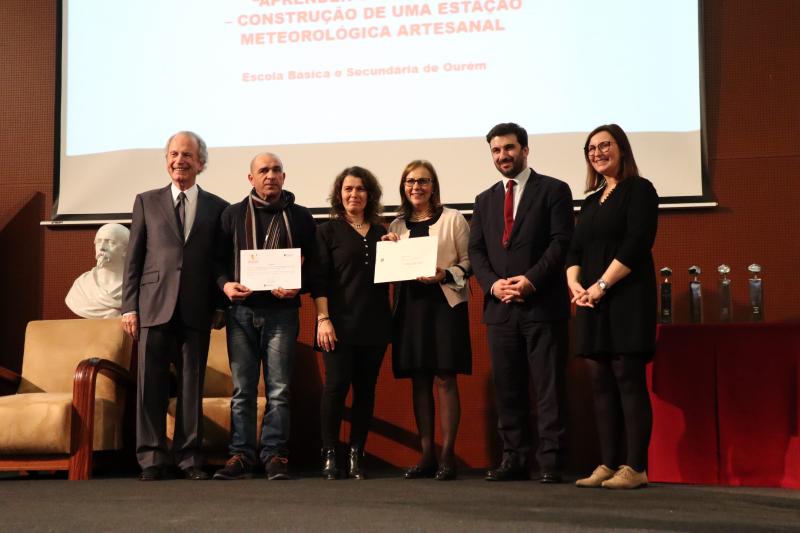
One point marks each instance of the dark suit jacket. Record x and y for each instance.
(540, 239)
(162, 271)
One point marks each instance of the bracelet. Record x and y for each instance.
(322, 319)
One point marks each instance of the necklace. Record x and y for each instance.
(357, 226)
(606, 193)
(419, 217)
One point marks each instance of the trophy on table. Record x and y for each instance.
(666, 296)
(725, 301)
(695, 296)
(756, 294)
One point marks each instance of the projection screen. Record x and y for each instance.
(328, 84)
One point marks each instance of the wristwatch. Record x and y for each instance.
(602, 284)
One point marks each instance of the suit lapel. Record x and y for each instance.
(168, 208)
(497, 200)
(202, 198)
(525, 203)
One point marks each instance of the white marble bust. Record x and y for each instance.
(98, 292)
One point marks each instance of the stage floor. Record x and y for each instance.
(383, 503)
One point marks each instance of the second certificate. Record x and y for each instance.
(405, 259)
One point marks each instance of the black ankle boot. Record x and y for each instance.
(356, 456)
(329, 468)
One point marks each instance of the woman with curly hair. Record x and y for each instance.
(353, 314)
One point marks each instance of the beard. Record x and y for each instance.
(103, 258)
(516, 167)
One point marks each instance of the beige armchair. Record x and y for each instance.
(217, 392)
(70, 399)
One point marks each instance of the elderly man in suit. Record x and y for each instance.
(169, 297)
(520, 232)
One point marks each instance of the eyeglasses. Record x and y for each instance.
(603, 147)
(410, 182)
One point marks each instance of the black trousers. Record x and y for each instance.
(523, 351)
(187, 348)
(348, 365)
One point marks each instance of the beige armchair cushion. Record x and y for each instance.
(37, 420)
(39, 423)
(218, 370)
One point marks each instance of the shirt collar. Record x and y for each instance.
(191, 193)
(520, 179)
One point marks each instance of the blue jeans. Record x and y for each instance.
(256, 335)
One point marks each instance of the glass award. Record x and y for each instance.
(695, 296)
(725, 301)
(666, 296)
(756, 293)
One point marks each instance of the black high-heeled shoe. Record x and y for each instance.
(420, 471)
(446, 472)
(356, 471)
(329, 469)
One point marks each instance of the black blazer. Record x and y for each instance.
(540, 239)
(162, 271)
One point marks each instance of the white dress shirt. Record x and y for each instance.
(190, 207)
(520, 180)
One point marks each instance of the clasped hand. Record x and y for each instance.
(512, 290)
(585, 297)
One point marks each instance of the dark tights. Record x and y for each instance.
(424, 413)
(620, 395)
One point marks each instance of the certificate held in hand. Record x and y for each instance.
(264, 270)
(405, 259)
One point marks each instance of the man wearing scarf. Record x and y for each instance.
(262, 326)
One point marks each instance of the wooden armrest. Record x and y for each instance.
(10, 376)
(84, 384)
(83, 397)
(87, 371)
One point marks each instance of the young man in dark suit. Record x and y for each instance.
(168, 302)
(520, 233)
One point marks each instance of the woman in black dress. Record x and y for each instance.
(353, 314)
(611, 275)
(430, 337)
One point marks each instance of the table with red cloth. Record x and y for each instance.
(726, 404)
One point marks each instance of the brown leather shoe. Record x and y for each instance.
(626, 478)
(600, 474)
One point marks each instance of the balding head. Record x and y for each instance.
(267, 176)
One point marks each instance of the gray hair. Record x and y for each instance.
(202, 149)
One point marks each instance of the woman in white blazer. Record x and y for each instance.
(430, 334)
